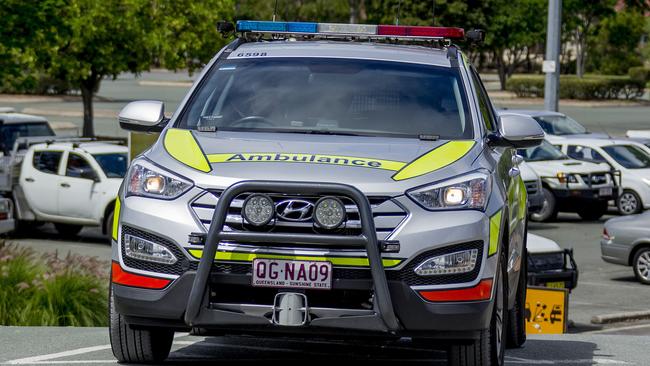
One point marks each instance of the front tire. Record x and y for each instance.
(641, 265)
(517, 316)
(629, 203)
(548, 212)
(108, 224)
(136, 345)
(490, 348)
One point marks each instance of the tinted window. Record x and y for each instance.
(10, 132)
(47, 161)
(560, 125)
(78, 167)
(484, 103)
(585, 153)
(113, 165)
(331, 96)
(545, 151)
(629, 156)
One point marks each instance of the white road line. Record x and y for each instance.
(612, 330)
(608, 285)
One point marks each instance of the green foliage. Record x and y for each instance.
(639, 73)
(614, 49)
(590, 87)
(50, 291)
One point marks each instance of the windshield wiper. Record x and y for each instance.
(321, 132)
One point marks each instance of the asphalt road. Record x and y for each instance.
(90, 346)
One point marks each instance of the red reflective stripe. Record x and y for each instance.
(482, 291)
(413, 31)
(121, 277)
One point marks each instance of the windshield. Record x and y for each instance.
(10, 132)
(113, 165)
(629, 156)
(545, 151)
(333, 96)
(560, 125)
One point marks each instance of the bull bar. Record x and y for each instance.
(198, 312)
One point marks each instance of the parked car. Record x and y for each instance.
(70, 184)
(533, 187)
(570, 185)
(557, 126)
(7, 222)
(626, 241)
(14, 125)
(631, 159)
(291, 150)
(549, 265)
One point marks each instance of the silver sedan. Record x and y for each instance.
(626, 241)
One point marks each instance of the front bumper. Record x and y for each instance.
(413, 316)
(566, 277)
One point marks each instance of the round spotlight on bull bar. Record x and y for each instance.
(258, 209)
(329, 213)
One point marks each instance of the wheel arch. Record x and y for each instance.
(109, 207)
(635, 250)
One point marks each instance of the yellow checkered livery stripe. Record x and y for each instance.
(182, 146)
(495, 230)
(267, 157)
(435, 159)
(336, 261)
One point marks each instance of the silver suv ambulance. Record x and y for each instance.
(326, 180)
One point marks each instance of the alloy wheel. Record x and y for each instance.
(643, 265)
(628, 203)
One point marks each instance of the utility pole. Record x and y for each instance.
(551, 64)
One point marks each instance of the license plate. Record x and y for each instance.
(555, 284)
(605, 192)
(292, 274)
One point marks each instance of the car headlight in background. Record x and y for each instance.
(138, 248)
(467, 192)
(452, 263)
(566, 178)
(146, 182)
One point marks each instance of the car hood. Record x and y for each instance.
(376, 165)
(550, 168)
(527, 173)
(537, 244)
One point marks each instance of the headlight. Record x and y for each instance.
(566, 178)
(452, 263)
(146, 250)
(149, 183)
(470, 191)
(329, 212)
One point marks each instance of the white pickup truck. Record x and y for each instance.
(71, 184)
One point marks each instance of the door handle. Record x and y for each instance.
(513, 172)
(65, 185)
(30, 180)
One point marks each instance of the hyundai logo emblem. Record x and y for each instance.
(295, 210)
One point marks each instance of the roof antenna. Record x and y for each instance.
(399, 7)
(275, 9)
(433, 12)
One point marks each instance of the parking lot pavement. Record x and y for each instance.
(90, 346)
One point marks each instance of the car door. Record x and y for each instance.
(39, 180)
(77, 187)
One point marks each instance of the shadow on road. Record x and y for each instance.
(552, 352)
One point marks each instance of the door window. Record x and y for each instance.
(47, 161)
(79, 167)
(484, 102)
(585, 153)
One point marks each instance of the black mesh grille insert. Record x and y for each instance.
(183, 264)
(406, 274)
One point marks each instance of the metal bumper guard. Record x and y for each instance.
(381, 318)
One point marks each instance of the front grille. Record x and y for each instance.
(532, 187)
(594, 179)
(406, 274)
(387, 215)
(178, 268)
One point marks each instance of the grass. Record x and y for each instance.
(51, 291)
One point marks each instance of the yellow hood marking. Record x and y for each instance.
(270, 157)
(336, 261)
(182, 146)
(435, 159)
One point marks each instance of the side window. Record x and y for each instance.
(79, 167)
(47, 161)
(584, 153)
(485, 108)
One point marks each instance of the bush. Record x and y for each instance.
(639, 73)
(49, 291)
(571, 87)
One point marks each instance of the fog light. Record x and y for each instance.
(258, 209)
(329, 213)
(138, 248)
(452, 263)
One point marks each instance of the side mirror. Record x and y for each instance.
(143, 116)
(518, 132)
(88, 174)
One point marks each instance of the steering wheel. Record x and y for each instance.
(253, 119)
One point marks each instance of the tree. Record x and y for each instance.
(583, 17)
(617, 42)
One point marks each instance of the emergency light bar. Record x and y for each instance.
(325, 29)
